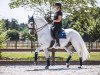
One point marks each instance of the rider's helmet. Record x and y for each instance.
(58, 4)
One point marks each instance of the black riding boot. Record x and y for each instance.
(52, 43)
(57, 39)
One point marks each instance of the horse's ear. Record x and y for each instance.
(28, 17)
(32, 16)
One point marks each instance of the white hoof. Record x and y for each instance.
(47, 67)
(80, 67)
(36, 63)
(67, 64)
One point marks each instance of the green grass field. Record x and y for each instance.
(30, 55)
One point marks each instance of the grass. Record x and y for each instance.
(30, 56)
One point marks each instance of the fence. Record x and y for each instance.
(30, 44)
(27, 44)
(22, 46)
(53, 51)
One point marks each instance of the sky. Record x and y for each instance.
(21, 14)
(18, 13)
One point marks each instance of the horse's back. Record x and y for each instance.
(70, 30)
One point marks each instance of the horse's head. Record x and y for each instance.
(36, 23)
(31, 25)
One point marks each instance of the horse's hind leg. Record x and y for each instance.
(80, 59)
(47, 55)
(78, 49)
(67, 61)
(68, 49)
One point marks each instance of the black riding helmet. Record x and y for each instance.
(58, 4)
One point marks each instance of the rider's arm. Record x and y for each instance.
(59, 19)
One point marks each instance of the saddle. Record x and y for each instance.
(61, 34)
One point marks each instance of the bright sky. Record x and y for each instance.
(18, 13)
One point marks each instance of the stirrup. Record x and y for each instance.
(57, 44)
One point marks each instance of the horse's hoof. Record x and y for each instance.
(35, 63)
(67, 64)
(47, 67)
(80, 67)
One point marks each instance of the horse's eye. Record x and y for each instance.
(31, 24)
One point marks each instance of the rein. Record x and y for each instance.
(41, 28)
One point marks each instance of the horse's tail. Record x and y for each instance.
(84, 52)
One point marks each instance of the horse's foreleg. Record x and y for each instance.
(36, 55)
(47, 55)
(35, 58)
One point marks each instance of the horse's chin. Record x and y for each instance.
(30, 32)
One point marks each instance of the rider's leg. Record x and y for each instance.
(57, 38)
(52, 43)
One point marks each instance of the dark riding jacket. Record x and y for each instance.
(57, 25)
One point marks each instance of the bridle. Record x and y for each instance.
(37, 29)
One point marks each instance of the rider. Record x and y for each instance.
(57, 22)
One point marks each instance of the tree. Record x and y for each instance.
(68, 5)
(14, 24)
(2, 34)
(23, 27)
(13, 35)
(2, 28)
(95, 29)
(81, 17)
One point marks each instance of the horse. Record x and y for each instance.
(39, 25)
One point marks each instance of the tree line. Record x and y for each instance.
(11, 30)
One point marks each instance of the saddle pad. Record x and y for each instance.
(62, 34)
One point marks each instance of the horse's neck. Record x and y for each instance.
(44, 32)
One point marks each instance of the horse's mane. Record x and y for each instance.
(42, 18)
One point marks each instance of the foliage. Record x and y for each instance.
(2, 33)
(32, 37)
(2, 26)
(68, 5)
(13, 24)
(84, 14)
(95, 32)
(23, 36)
(2, 38)
(13, 34)
(23, 27)
(86, 24)
(14, 29)
(95, 29)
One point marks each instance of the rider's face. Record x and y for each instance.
(56, 8)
